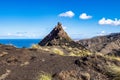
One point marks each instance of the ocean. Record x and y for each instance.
(20, 43)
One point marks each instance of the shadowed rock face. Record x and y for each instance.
(56, 37)
(104, 44)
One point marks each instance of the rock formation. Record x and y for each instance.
(103, 44)
(56, 37)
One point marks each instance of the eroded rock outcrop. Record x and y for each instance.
(56, 37)
(103, 44)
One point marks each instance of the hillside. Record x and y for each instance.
(36, 64)
(59, 39)
(109, 44)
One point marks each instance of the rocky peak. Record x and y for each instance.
(56, 37)
(59, 24)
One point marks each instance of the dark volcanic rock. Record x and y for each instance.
(104, 44)
(56, 37)
(27, 64)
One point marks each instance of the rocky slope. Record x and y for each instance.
(109, 44)
(59, 39)
(36, 64)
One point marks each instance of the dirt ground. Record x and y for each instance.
(28, 64)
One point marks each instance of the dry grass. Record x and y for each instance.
(35, 46)
(3, 76)
(112, 57)
(79, 53)
(76, 51)
(58, 51)
(44, 76)
(25, 63)
(62, 50)
(50, 49)
(3, 54)
(114, 71)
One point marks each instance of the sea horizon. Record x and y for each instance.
(20, 43)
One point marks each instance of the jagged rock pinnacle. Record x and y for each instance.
(56, 37)
(59, 24)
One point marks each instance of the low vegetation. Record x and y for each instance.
(114, 71)
(63, 50)
(25, 63)
(44, 76)
(3, 54)
(3, 76)
(35, 46)
(112, 57)
(58, 51)
(79, 53)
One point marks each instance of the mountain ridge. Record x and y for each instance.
(104, 44)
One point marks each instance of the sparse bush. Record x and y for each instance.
(3, 54)
(3, 76)
(25, 63)
(114, 71)
(70, 48)
(58, 51)
(44, 76)
(85, 76)
(72, 54)
(79, 53)
(112, 57)
(35, 46)
(45, 49)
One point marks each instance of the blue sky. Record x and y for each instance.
(80, 18)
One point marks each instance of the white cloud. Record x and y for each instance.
(9, 34)
(64, 27)
(85, 16)
(67, 14)
(21, 35)
(102, 33)
(111, 22)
